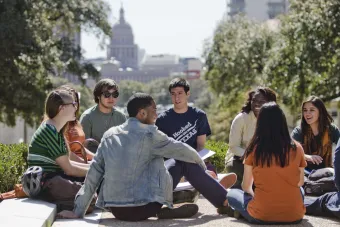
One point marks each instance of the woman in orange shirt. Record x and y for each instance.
(74, 133)
(275, 164)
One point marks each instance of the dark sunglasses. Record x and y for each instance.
(75, 104)
(107, 94)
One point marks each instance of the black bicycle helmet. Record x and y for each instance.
(31, 181)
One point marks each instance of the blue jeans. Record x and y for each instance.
(215, 193)
(326, 205)
(239, 200)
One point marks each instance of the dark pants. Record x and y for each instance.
(326, 205)
(239, 200)
(204, 183)
(138, 213)
(236, 166)
(61, 190)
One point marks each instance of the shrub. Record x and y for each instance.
(217, 159)
(13, 164)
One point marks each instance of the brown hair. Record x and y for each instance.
(103, 84)
(324, 122)
(54, 100)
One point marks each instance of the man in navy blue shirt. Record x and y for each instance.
(186, 124)
(329, 203)
(182, 122)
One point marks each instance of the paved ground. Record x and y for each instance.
(207, 216)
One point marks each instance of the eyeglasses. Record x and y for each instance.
(75, 104)
(107, 94)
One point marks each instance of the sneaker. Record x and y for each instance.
(228, 210)
(183, 211)
(185, 196)
(228, 180)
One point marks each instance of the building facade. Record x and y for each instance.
(122, 45)
(260, 10)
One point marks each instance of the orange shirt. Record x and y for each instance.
(277, 197)
(75, 133)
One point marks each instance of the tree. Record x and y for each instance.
(32, 50)
(306, 57)
(158, 89)
(128, 88)
(236, 58)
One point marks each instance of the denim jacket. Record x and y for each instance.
(130, 159)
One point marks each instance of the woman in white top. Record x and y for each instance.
(243, 128)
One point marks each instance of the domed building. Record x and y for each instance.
(122, 46)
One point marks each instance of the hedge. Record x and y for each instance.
(13, 163)
(218, 160)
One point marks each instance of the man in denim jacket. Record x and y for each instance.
(137, 182)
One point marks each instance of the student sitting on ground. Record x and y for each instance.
(243, 128)
(275, 164)
(137, 182)
(74, 132)
(316, 134)
(327, 205)
(49, 151)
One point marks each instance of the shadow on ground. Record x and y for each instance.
(207, 216)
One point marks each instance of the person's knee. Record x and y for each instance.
(232, 196)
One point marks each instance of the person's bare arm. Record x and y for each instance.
(248, 179)
(72, 168)
(201, 142)
(89, 154)
(76, 158)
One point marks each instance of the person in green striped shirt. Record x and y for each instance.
(48, 150)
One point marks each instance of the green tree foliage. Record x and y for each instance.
(13, 164)
(86, 96)
(237, 56)
(306, 57)
(220, 117)
(158, 89)
(35, 43)
(128, 88)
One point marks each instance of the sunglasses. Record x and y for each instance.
(107, 94)
(75, 104)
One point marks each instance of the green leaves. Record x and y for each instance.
(236, 58)
(300, 59)
(37, 42)
(305, 59)
(13, 164)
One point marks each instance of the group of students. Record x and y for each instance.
(277, 165)
(140, 160)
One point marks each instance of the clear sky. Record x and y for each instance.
(164, 26)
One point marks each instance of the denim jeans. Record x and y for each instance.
(326, 205)
(239, 200)
(215, 193)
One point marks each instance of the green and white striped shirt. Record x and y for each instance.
(46, 146)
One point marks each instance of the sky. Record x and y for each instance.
(164, 26)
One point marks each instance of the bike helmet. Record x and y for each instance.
(31, 181)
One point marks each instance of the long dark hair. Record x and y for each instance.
(324, 121)
(246, 108)
(268, 93)
(271, 138)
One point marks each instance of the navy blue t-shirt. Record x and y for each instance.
(184, 127)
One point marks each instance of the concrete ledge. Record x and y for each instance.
(90, 220)
(27, 212)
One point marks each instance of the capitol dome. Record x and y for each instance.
(122, 31)
(122, 45)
